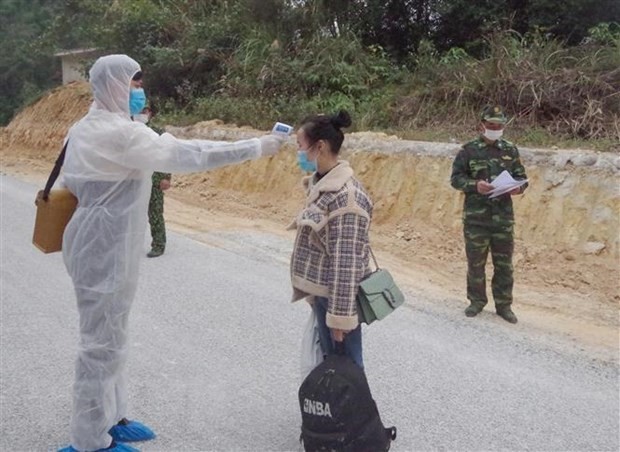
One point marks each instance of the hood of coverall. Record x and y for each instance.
(110, 79)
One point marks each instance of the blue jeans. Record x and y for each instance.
(352, 340)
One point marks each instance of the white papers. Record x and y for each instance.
(504, 183)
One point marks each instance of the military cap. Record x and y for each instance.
(494, 113)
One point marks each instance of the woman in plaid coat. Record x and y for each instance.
(331, 252)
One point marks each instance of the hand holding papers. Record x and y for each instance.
(504, 183)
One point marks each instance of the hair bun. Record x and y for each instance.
(342, 119)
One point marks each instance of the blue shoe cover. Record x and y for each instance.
(128, 431)
(118, 447)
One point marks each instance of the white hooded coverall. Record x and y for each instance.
(108, 166)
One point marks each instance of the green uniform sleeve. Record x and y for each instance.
(518, 170)
(158, 177)
(460, 178)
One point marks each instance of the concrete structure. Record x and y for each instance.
(73, 63)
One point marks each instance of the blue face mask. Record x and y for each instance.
(137, 101)
(303, 162)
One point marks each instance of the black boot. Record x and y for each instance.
(507, 314)
(155, 252)
(473, 310)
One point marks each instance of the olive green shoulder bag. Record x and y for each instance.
(378, 295)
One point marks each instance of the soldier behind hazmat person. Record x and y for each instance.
(488, 223)
(161, 183)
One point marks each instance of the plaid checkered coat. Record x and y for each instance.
(331, 253)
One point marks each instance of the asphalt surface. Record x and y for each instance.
(214, 357)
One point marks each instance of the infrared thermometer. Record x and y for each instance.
(282, 129)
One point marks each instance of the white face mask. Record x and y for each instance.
(493, 134)
(141, 118)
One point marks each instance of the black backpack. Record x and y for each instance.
(338, 412)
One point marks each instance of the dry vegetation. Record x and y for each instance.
(567, 92)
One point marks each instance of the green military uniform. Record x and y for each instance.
(156, 210)
(156, 215)
(488, 222)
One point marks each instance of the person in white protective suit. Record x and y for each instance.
(108, 166)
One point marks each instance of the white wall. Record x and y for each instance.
(72, 68)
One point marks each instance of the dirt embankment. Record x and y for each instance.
(568, 221)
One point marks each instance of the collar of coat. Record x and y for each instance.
(332, 181)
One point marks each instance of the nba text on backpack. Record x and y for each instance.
(378, 295)
(338, 412)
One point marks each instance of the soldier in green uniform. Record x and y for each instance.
(488, 223)
(161, 183)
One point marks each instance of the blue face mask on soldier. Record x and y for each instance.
(303, 162)
(137, 101)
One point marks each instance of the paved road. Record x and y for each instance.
(214, 357)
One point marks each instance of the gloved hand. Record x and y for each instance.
(271, 144)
